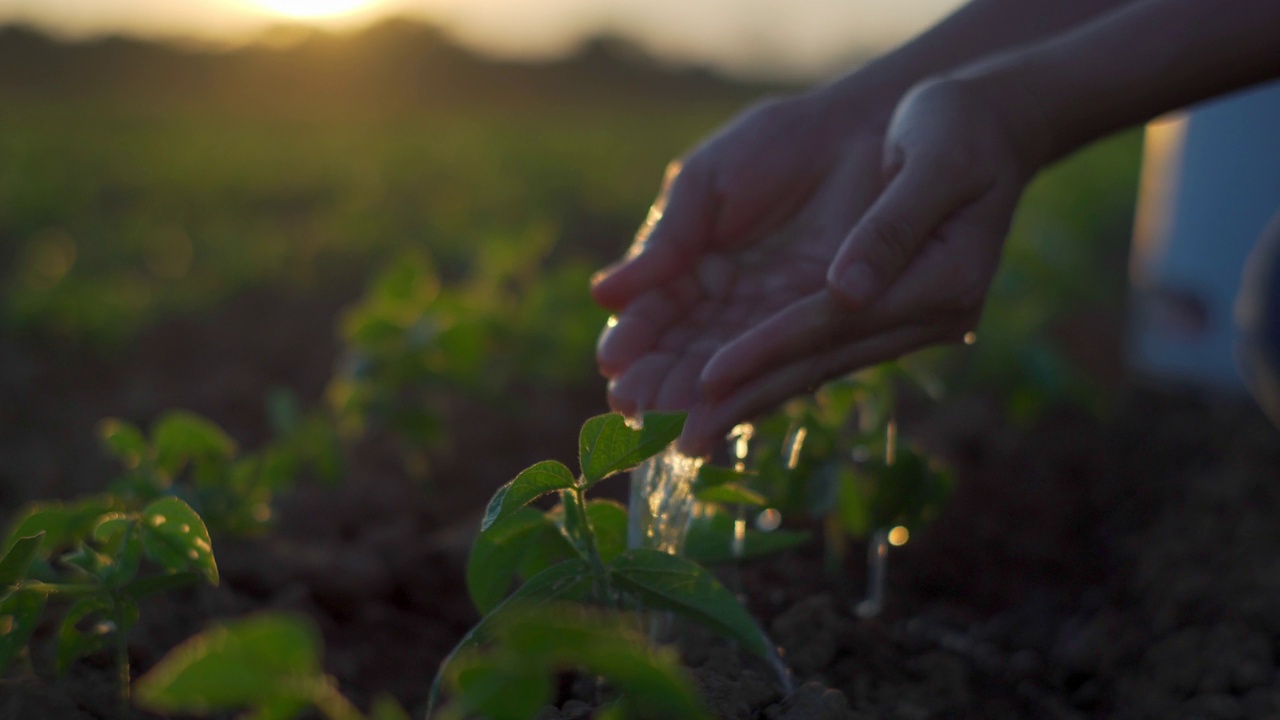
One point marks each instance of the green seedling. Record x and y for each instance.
(268, 663)
(575, 552)
(514, 675)
(836, 459)
(190, 456)
(90, 554)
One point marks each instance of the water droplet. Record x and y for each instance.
(185, 528)
(611, 322)
(158, 520)
(899, 536)
(970, 338)
(794, 444)
(768, 520)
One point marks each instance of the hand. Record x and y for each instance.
(913, 271)
(746, 226)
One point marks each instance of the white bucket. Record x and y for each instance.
(1210, 184)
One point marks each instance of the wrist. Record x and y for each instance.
(1017, 108)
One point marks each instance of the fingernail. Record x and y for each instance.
(857, 284)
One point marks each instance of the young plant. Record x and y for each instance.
(576, 552)
(191, 457)
(268, 663)
(90, 554)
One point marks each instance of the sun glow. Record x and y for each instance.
(315, 9)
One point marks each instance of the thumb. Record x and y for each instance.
(882, 244)
(667, 242)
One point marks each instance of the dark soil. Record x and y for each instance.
(1120, 568)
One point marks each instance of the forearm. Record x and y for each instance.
(1127, 67)
(979, 29)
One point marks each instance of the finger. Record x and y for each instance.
(804, 328)
(709, 421)
(635, 331)
(667, 243)
(883, 243)
(634, 391)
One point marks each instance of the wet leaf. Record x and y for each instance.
(175, 536)
(14, 565)
(672, 583)
(606, 445)
(19, 615)
(502, 552)
(267, 660)
(529, 485)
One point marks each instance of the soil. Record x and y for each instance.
(1119, 568)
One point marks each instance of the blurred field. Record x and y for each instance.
(140, 182)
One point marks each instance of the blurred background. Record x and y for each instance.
(386, 210)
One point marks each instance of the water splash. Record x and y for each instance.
(662, 502)
(877, 571)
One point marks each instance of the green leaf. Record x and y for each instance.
(500, 553)
(853, 506)
(673, 583)
(14, 565)
(263, 660)
(74, 643)
(504, 691)
(710, 476)
(63, 524)
(123, 440)
(19, 616)
(732, 494)
(609, 524)
(710, 541)
(570, 581)
(146, 587)
(109, 527)
(560, 637)
(907, 493)
(180, 437)
(607, 445)
(533, 483)
(386, 708)
(176, 537)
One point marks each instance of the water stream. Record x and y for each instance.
(661, 510)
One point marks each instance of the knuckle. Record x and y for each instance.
(892, 239)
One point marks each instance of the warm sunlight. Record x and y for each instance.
(315, 9)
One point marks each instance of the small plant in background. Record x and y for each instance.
(268, 663)
(191, 457)
(90, 554)
(575, 554)
(412, 342)
(834, 458)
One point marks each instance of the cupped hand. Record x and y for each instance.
(913, 271)
(745, 227)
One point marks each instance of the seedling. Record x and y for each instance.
(268, 663)
(97, 547)
(575, 552)
(191, 457)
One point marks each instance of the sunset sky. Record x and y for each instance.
(790, 36)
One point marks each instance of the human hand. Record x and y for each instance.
(914, 270)
(744, 228)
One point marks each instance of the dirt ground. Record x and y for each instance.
(1085, 568)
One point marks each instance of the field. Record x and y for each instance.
(251, 251)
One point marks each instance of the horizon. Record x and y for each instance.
(756, 38)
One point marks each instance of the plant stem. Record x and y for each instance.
(587, 540)
(122, 660)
